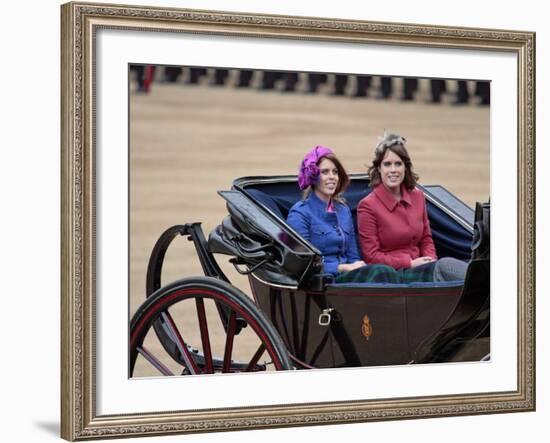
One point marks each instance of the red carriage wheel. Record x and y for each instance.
(197, 338)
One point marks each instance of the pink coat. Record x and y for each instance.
(394, 232)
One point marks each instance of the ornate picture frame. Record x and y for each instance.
(79, 397)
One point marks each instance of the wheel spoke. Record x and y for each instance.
(205, 337)
(166, 326)
(255, 359)
(231, 327)
(182, 347)
(154, 361)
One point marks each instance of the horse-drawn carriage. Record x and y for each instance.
(299, 317)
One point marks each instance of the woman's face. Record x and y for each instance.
(392, 171)
(328, 179)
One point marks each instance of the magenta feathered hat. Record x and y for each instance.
(309, 171)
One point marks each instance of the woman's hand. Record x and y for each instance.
(346, 267)
(421, 261)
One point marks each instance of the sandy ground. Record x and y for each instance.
(187, 142)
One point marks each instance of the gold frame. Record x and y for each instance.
(79, 24)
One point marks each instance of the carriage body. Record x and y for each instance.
(323, 324)
(347, 326)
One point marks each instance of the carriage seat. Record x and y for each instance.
(279, 204)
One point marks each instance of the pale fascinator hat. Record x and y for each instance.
(388, 140)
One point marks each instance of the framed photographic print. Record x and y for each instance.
(194, 125)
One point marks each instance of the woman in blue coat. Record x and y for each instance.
(323, 218)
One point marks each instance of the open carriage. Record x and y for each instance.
(299, 317)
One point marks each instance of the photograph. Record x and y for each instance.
(335, 220)
(274, 221)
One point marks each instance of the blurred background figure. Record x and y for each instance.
(291, 80)
(244, 78)
(219, 78)
(314, 80)
(269, 78)
(194, 75)
(483, 90)
(144, 77)
(172, 73)
(386, 88)
(437, 88)
(362, 85)
(462, 93)
(410, 85)
(139, 71)
(340, 83)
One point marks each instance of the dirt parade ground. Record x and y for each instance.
(189, 141)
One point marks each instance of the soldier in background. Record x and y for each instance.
(462, 93)
(437, 88)
(362, 85)
(220, 76)
(144, 77)
(340, 83)
(291, 80)
(386, 88)
(314, 80)
(269, 78)
(244, 79)
(483, 90)
(172, 73)
(410, 85)
(195, 75)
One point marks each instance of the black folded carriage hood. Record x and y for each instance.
(261, 245)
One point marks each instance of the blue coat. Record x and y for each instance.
(330, 232)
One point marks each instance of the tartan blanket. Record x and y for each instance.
(387, 274)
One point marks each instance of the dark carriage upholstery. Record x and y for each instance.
(451, 239)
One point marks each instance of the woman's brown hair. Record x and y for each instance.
(343, 179)
(396, 144)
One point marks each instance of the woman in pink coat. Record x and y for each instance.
(393, 222)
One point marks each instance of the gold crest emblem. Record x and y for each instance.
(366, 328)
